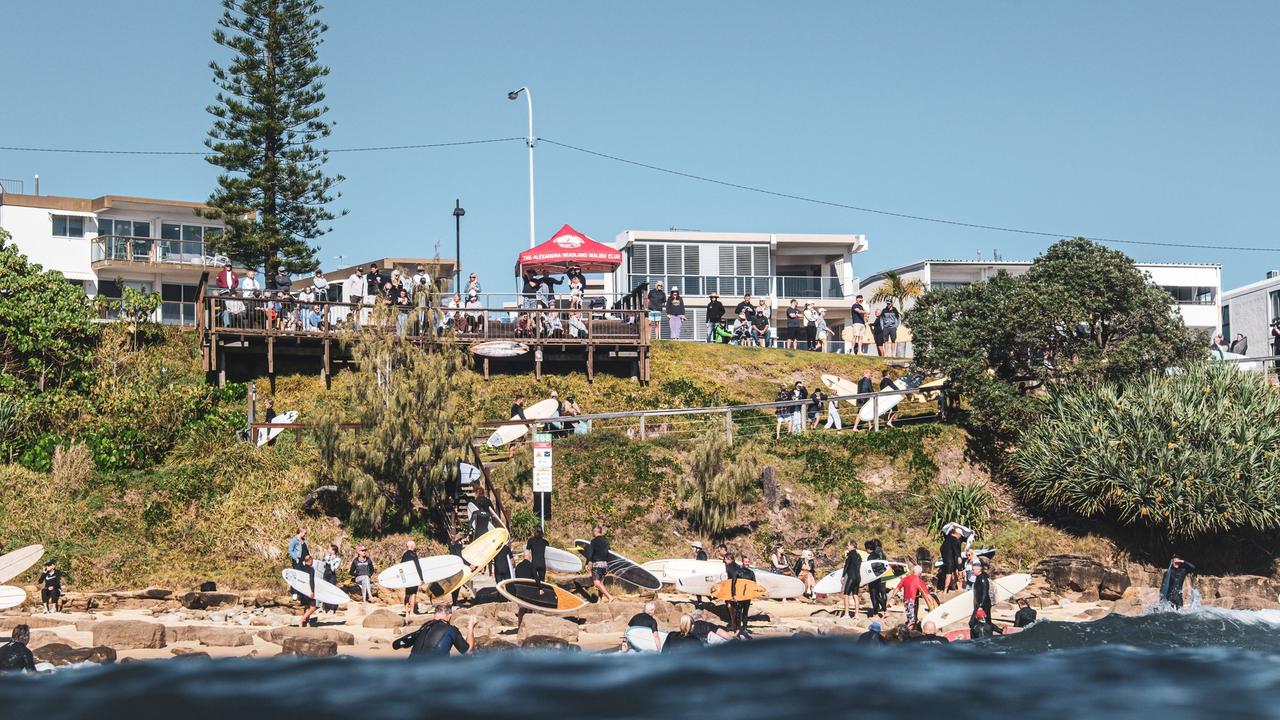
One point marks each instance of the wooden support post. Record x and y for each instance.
(486, 368)
(271, 355)
(327, 371)
(591, 363)
(728, 426)
(642, 428)
(537, 364)
(251, 410)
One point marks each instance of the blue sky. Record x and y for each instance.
(1152, 121)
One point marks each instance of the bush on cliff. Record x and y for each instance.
(1189, 455)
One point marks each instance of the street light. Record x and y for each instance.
(529, 140)
(458, 212)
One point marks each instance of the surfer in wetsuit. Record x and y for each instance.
(51, 587)
(683, 637)
(502, 569)
(1025, 615)
(437, 637)
(981, 626)
(536, 554)
(952, 560)
(526, 569)
(931, 636)
(982, 596)
(703, 629)
(879, 595)
(645, 619)
(599, 558)
(699, 554)
(744, 606)
(308, 603)
(1174, 578)
(411, 593)
(852, 578)
(731, 574)
(14, 655)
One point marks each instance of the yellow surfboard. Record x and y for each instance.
(478, 554)
(746, 590)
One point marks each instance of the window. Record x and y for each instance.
(178, 304)
(1226, 321)
(1275, 304)
(672, 264)
(110, 289)
(1190, 295)
(185, 243)
(124, 228)
(68, 226)
(744, 260)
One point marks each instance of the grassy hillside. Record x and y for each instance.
(214, 508)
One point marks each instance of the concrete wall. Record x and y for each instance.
(1251, 313)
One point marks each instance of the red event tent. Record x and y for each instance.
(570, 248)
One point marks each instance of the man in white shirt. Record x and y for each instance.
(321, 285)
(353, 291)
(248, 284)
(419, 277)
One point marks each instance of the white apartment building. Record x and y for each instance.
(1249, 310)
(775, 266)
(1195, 289)
(149, 244)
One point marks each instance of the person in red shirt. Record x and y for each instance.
(914, 589)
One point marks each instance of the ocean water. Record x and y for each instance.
(1201, 664)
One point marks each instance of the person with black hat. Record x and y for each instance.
(283, 283)
(227, 279)
(715, 313)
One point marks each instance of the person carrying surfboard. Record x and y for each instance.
(876, 589)
(599, 560)
(308, 603)
(1174, 578)
(536, 548)
(744, 606)
(411, 593)
(699, 553)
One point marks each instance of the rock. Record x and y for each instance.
(129, 634)
(60, 654)
(179, 633)
(1080, 574)
(146, 594)
(494, 642)
(48, 637)
(383, 618)
(308, 647)
(278, 634)
(204, 600)
(1238, 586)
(221, 636)
(191, 654)
(1255, 603)
(1095, 613)
(33, 622)
(546, 631)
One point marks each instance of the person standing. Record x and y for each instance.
(329, 572)
(799, 394)
(283, 283)
(698, 552)
(889, 322)
(952, 554)
(833, 415)
(227, 279)
(480, 513)
(411, 593)
(524, 569)
(810, 326)
(852, 578)
(865, 387)
(51, 587)
(731, 568)
(782, 411)
(715, 313)
(599, 558)
(422, 277)
(887, 383)
(657, 303)
(816, 401)
(298, 543)
(745, 307)
(744, 606)
(858, 326)
(794, 318)
(422, 305)
(914, 590)
(879, 595)
(537, 549)
(675, 313)
(822, 329)
(308, 601)
(1174, 578)
(982, 596)
(15, 655)
(361, 571)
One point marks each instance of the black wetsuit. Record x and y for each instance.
(50, 586)
(982, 594)
(643, 620)
(703, 630)
(310, 570)
(701, 555)
(744, 606)
(406, 557)
(481, 517)
(932, 640)
(537, 547)
(1024, 617)
(952, 554)
(502, 564)
(1171, 587)
(526, 570)
(675, 641)
(16, 656)
(870, 638)
(979, 629)
(434, 639)
(852, 572)
(879, 595)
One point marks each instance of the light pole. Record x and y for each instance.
(458, 212)
(529, 140)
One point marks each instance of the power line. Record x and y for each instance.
(372, 148)
(889, 213)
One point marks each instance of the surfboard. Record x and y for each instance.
(468, 473)
(778, 586)
(540, 597)
(641, 639)
(500, 348)
(11, 597)
(266, 435)
(965, 533)
(19, 561)
(672, 569)
(839, 386)
(980, 552)
(562, 561)
(739, 591)
(434, 569)
(325, 592)
(889, 402)
(537, 411)
(481, 550)
(833, 583)
(624, 569)
(960, 607)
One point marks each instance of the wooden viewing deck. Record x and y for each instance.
(252, 336)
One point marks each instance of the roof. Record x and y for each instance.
(89, 205)
(628, 237)
(569, 248)
(1262, 284)
(934, 261)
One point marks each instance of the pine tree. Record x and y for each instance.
(268, 115)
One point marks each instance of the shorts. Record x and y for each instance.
(911, 606)
(850, 586)
(655, 316)
(49, 596)
(792, 333)
(409, 593)
(306, 601)
(889, 334)
(599, 570)
(858, 330)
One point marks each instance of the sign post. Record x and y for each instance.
(542, 474)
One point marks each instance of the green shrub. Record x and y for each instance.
(1191, 454)
(523, 523)
(39, 455)
(967, 503)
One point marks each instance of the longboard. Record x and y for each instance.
(483, 549)
(833, 582)
(624, 569)
(539, 596)
(960, 607)
(779, 586)
(562, 561)
(537, 411)
(266, 435)
(11, 597)
(406, 575)
(641, 639)
(672, 569)
(325, 592)
(19, 561)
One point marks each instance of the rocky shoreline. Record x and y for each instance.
(157, 623)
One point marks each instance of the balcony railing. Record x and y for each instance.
(758, 285)
(122, 248)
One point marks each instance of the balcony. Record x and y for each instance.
(759, 285)
(121, 251)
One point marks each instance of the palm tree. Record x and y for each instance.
(895, 288)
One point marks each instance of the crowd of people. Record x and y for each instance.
(804, 410)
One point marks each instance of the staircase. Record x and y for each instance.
(458, 518)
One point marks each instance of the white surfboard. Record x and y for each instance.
(881, 404)
(469, 473)
(833, 583)
(325, 592)
(672, 569)
(537, 411)
(266, 435)
(562, 561)
(11, 597)
(965, 533)
(19, 561)
(960, 607)
(980, 552)
(434, 568)
(641, 639)
(839, 386)
(779, 586)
